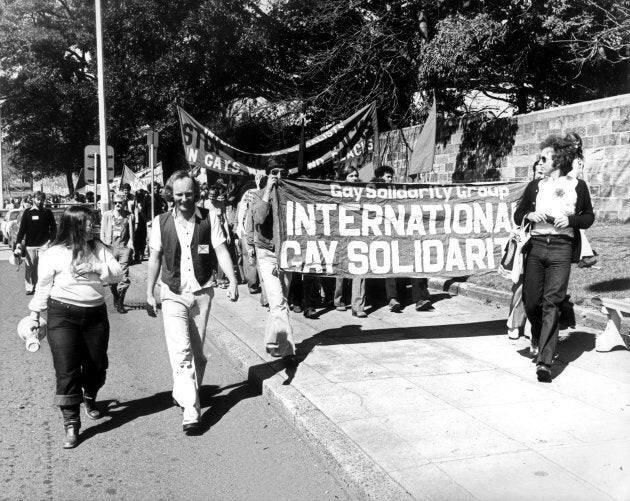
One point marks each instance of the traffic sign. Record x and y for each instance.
(153, 138)
(90, 157)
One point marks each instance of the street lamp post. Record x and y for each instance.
(1, 169)
(101, 110)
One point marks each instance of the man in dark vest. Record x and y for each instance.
(185, 243)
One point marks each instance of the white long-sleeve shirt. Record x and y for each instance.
(57, 280)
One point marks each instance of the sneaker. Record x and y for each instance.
(359, 314)
(394, 306)
(341, 307)
(513, 333)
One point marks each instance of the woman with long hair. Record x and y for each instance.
(558, 205)
(70, 286)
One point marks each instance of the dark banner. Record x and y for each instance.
(384, 230)
(206, 150)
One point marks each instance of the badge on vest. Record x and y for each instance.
(35, 218)
(203, 249)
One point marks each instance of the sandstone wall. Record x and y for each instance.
(478, 149)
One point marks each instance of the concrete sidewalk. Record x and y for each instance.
(442, 405)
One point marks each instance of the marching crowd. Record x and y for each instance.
(202, 236)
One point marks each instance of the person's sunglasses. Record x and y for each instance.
(276, 172)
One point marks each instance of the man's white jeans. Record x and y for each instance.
(185, 320)
(278, 332)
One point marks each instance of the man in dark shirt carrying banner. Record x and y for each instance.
(37, 229)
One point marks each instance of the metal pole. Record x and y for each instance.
(101, 110)
(152, 166)
(1, 178)
(95, 180)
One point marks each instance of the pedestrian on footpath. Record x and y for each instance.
(117, 231)
(185, 243)
(558, 206)
(420, 294)
(71, 276)
(37, 229)
(250, 273)
(278, 331)
(159, 207)
(357, 299)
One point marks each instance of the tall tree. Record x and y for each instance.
(529, 53)
(203, 54)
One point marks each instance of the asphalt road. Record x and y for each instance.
(138, 451)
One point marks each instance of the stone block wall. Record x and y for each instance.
(481, 149)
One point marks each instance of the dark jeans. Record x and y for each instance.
(547, 272)
(78, 338)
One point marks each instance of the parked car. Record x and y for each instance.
(8, 222)
(3, 213)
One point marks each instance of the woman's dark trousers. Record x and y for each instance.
(547, 272)
(78, 338)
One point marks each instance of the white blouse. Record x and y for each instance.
(556, 197)
(57, 280)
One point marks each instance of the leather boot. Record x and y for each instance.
(71, 438)
(90, 408)
(115, 295)
(120, 305)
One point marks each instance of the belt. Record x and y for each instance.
(552, 238)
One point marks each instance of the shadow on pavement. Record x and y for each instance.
(121, 413)
(616, 284)
(567, 351)
(354, 334)
(220, 405)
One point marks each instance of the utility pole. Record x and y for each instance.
(153, 139)
(1, 169)
(102, 125)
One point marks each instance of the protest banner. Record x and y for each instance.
(385, 230)
(347, 138)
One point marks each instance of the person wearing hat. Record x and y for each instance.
(117, 228)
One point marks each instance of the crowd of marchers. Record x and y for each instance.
(198, 237)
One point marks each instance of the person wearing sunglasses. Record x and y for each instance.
(117, 231)
(558, 205)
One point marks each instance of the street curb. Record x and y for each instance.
(361, 476)
(585, 316)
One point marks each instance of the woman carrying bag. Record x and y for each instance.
(558, 206)
(70, 286)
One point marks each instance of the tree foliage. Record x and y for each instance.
(201, 54)
(529, 53)
(248, 68)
